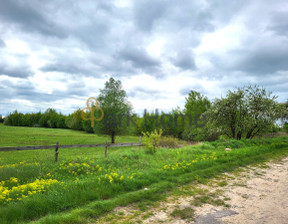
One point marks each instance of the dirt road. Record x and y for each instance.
(252, 195)
(256, 195)
(264, 199)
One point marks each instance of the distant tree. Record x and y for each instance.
(1, 119)
(74, 120)
(196, 105)
(113, 101)
(245, 112)
(49, 119)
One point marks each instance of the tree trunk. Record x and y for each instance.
(113, 137)
(239, 135)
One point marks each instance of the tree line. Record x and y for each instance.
(244, 112)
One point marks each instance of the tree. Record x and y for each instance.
(196, 104)
(1, 119)
(113, 101)
(245, 112)
(74, 120)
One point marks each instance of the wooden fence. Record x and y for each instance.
(57, 146)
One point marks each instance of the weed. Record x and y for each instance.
(185, 213)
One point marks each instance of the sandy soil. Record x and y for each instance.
(257, 195)
(264, 199)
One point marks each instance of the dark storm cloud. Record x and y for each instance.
(146, 13)
(17, 71)
(2, 44)
(20, 89)
(98, 39)
(74, 89)
(264, 60)
(279, 24)
(29, 17)
(172, 15)
(184, 60)
(140, 59)
(25, 90)
(67, 68)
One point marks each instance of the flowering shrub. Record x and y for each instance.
(151, 140)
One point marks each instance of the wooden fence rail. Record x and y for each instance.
(57, 146)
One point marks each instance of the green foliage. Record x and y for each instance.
(170, 142)
(49, 119)
(74, 121)
(285, 127)
(147, 123)
(245, 112)
(172, 123)
(196, 104)
(93, 185)
(113, 101)
(185, 213)
(1, 119)
(151, 140)
(200, 134)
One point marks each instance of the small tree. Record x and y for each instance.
(151, 140)
(113, 101)
(245, 112)
(196, 104)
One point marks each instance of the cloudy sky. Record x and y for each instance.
(58, 53)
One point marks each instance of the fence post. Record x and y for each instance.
(56, 152)
(106, 149)
(140, 137)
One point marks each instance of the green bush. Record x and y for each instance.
(151, 140)
(285, 127)
(199, 134)
(74, 121)
(170, 142)
(49, 119)
(86, 125)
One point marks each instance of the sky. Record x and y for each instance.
(56, 54)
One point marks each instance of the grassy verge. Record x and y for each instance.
(82, 188)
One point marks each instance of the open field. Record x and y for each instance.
(84, 185)
(23, 136)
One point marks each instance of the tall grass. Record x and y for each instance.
(89, 185)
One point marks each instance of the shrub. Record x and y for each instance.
(1, 119)
(170, 142)
(151, 140)
(74, 121)
(285, 127)
(200, 134)
(86, 125)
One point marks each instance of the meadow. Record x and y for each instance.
(83, 185)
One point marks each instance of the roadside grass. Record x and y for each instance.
(82, 187)
(185, 213)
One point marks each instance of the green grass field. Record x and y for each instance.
(23, 136)
(84, 185)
